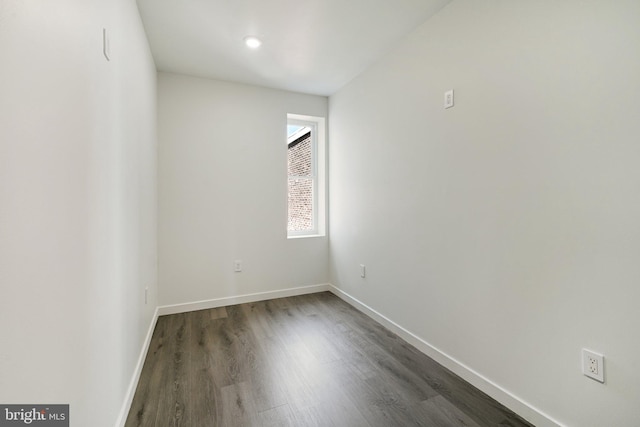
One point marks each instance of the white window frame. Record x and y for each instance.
(318, 174)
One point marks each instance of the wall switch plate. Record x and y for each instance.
(146, 295)
(237, 266)
(362, 271)
(593, 365)
(448, 99)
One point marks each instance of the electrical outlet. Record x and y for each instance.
(448, 99)
(237, 265)
(362, 271)
(146, 295)
(593, 365)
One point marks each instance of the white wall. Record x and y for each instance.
(77, 203)
(504, 231)
(223, 191)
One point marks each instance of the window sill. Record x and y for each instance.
(305, 236)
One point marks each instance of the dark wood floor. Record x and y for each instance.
(310, 360)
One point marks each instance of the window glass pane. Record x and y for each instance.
(306, 175)
(299, 156)
(300, 204)
(292, 129)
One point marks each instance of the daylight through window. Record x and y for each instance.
(305, 160)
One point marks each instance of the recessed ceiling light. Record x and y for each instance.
(252, 41)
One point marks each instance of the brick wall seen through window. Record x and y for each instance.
(300, 168)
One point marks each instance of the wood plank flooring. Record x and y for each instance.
(310, 360)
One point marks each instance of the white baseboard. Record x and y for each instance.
(133, 384)
(517, 405)
(240, 299)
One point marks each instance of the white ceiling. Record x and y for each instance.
(309, 46)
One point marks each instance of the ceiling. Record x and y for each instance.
(309, 46)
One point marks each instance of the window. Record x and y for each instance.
(306, 176)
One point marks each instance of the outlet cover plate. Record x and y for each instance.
(448, 99)
(593, 365)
